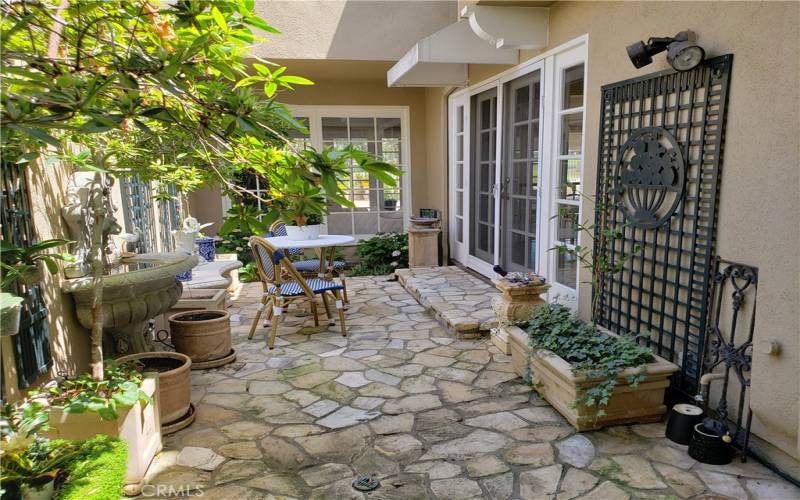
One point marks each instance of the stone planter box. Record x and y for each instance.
(555, 381)
(139, 426)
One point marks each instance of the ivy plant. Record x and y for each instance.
(590, 352)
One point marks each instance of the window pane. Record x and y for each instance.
(459, 176)
(518, 215)
(486, 115)
(460, 119)
(361, 199)
(573, 87)
(334, 128)
(459, 230)
(459, 148)
(571, 133)
(519, 184)
(391, 200)
(569, 179)
(518, 249)
(567, 270)
(362, 128)
(388, 128)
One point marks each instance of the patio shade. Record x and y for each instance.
(441, 59)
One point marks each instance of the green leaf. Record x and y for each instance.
(219, 18)
(270, 88)
(297, 80)
(36, 134)
(262, 69)
(228, 226)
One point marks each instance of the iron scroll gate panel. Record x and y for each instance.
(661, 142)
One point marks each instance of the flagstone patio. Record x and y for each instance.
(430, 415)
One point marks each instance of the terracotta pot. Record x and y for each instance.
(174, 381)
(203, 335)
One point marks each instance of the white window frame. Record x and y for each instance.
(315, 113)
(568, 54)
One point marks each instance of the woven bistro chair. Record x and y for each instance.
(311, 268)
(283, 284)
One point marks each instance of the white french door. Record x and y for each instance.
(516, 165)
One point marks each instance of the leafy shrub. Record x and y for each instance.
(248, 273)
(381, 254)
(99, 471)
(590, 352)
(236, 242)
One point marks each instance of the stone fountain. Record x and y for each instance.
(135, 289)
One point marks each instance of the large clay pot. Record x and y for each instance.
(203, 335)
(174, 381)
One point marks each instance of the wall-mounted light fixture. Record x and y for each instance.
(683, 53)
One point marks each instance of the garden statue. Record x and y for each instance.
(77, 213)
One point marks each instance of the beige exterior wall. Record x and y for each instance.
(759, 199)
(69, 342)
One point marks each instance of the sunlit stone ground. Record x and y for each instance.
(430, 415)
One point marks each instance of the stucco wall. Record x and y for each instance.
(759, 200)
(69, 342)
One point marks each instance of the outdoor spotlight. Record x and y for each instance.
(683, 53)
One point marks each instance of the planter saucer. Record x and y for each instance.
(182, 423)
(215, 363)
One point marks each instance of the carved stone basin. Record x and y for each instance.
(137, 290)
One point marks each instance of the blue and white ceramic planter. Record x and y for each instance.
(185, 276)
(206, 247)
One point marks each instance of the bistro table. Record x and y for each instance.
(325, 246)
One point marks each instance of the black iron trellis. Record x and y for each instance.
(661, 141)
(32, 344)
(729, 344)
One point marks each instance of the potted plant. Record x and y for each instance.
(593, 378)
(24, 264)
(10, 311)
(30, 462)
(124, 405)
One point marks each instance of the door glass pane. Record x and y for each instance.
(518, 214)
(459, 176)
(460, 119)
(521, 103)
(483, 171)
(520, 141)
(567, 224)
(573, 87)
(459, 148)
(567, 270)
(571, 133)
(518, 249)
(519, 181)
(569, 180)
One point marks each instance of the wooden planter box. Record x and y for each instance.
(139, 427)
(555, 381)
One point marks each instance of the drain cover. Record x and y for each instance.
(365, 483)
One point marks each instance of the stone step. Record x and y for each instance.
(460, 301)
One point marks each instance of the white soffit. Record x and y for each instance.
(441, 59)
(509, 27)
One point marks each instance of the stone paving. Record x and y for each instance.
(460, 301)
(430, 415)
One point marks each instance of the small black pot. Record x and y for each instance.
(707, 446)
(681, 421)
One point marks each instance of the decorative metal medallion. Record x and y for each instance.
(650, 177)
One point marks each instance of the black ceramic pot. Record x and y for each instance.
(681, 421)
(707, 446)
